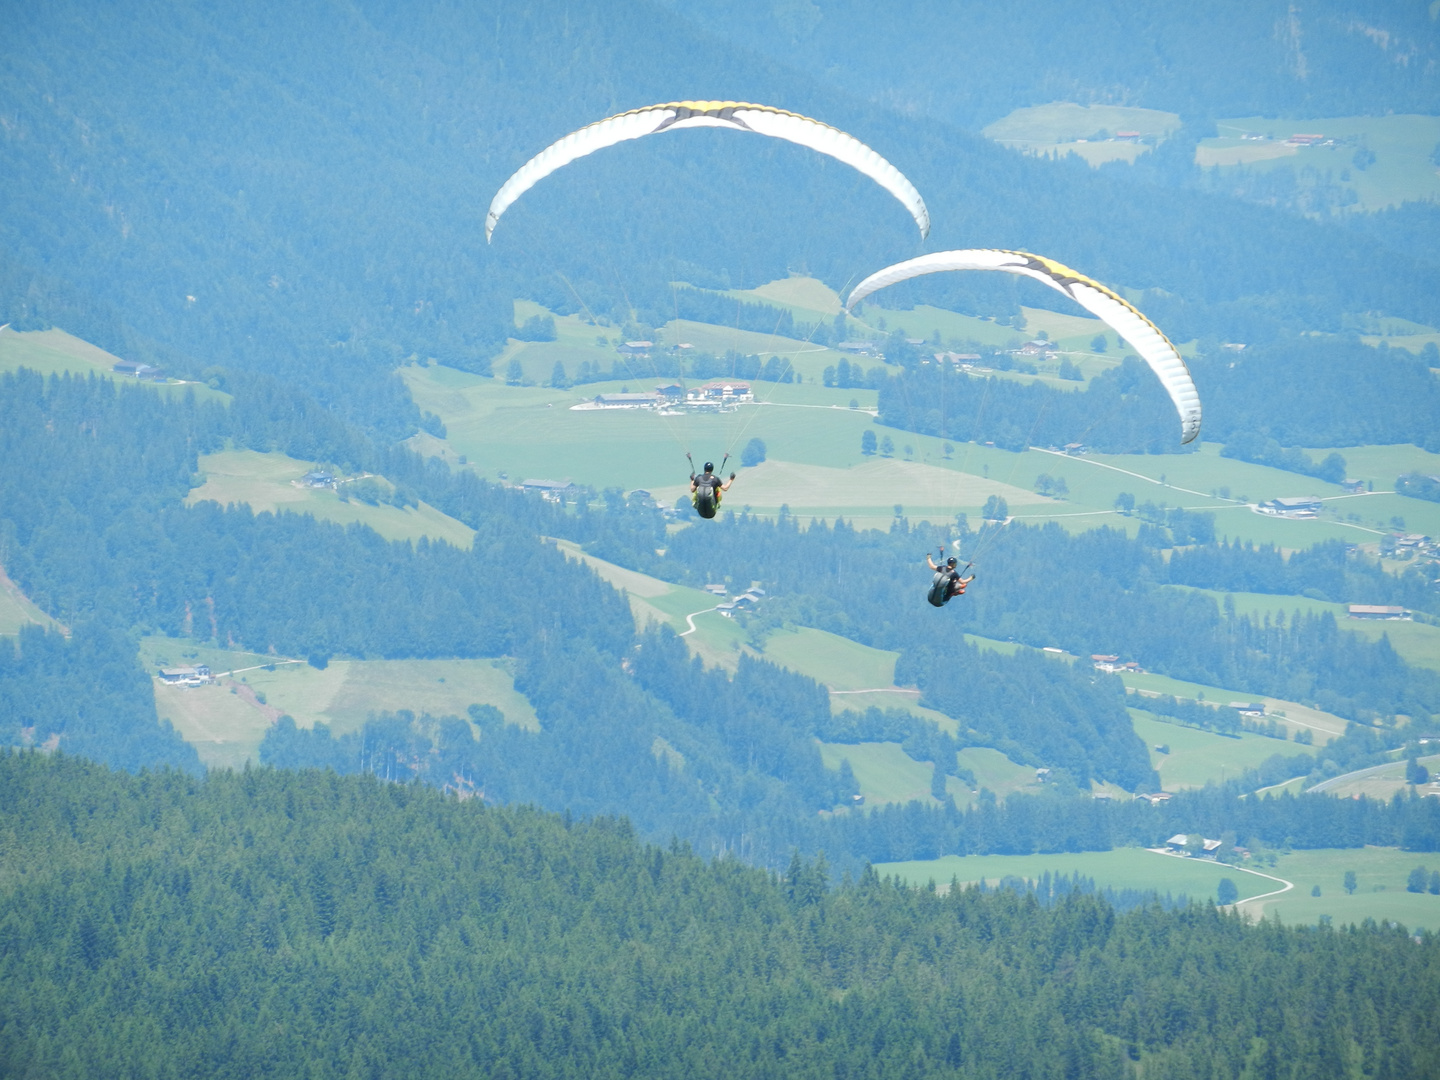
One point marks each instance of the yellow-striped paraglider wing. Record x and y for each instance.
(737, 115)
(1117, 312)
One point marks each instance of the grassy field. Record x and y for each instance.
(1063, 127)
(1291, 715)
(269, 482)
(1197, 757)
(1383, 783)
(1417, 643)
(54, 352)
(884, 772)
(16, 608)
(1123, 868)
(1402, 146)
(227, 720)
(1381, 465)
(1380, 874)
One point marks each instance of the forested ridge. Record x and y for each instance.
(272, 923)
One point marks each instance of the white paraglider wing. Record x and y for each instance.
(1117, 312)
(738, 115)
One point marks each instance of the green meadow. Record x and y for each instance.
(1380, 888)
(1383, 782)
(1380, 872)
(272, 482)
(16, 609)
(1063, 127)
(227, 720)
(54, 352)
(1197, 757)
(1122, 868)
(1417, 643)
(1401, 170)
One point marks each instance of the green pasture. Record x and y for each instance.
(834, 661)
(1382, 783)
(806, 298)
(1196, 757)
(884, 772)
(1402, 145)
(1381, 465)
(16, 609)
(54, 352)
(227, 720)
(1417, 643)
(995, 772)
(1122, 868)
(1380, 894)
(1063, 127)
(271, 482)
(1380, 873)
(1292, 715)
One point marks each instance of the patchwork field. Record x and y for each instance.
(271, 482)
(227, 720)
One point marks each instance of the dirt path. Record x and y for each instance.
(1286, 886)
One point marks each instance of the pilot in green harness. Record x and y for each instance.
(706, 491)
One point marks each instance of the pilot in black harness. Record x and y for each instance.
(706, 490)
(947, 583)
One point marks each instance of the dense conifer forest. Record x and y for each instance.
(274, 923)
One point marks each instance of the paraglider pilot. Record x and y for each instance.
(947, 583)
(706, 491)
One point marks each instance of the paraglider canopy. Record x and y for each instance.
(1117, 312)
(736, 115)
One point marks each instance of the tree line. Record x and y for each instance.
(282, 923)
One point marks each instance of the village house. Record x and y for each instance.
(198, 675)
(1377, 611)
(626, 401)
(1303, 506)
(550, 490)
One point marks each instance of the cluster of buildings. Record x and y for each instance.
(1112, 664)
(198, 675)
(712, 397)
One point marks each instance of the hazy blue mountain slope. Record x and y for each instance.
(301, 189)
(1234, 58)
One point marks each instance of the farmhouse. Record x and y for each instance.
(1249, 708)
(1303, 506)
(635, 348)
(1376, 611)
(550, 490)
(198, 675)
(626, 401)
(318, 479)
(135, 368)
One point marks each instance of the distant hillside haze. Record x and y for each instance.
(300, 190)
(1233, 58)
